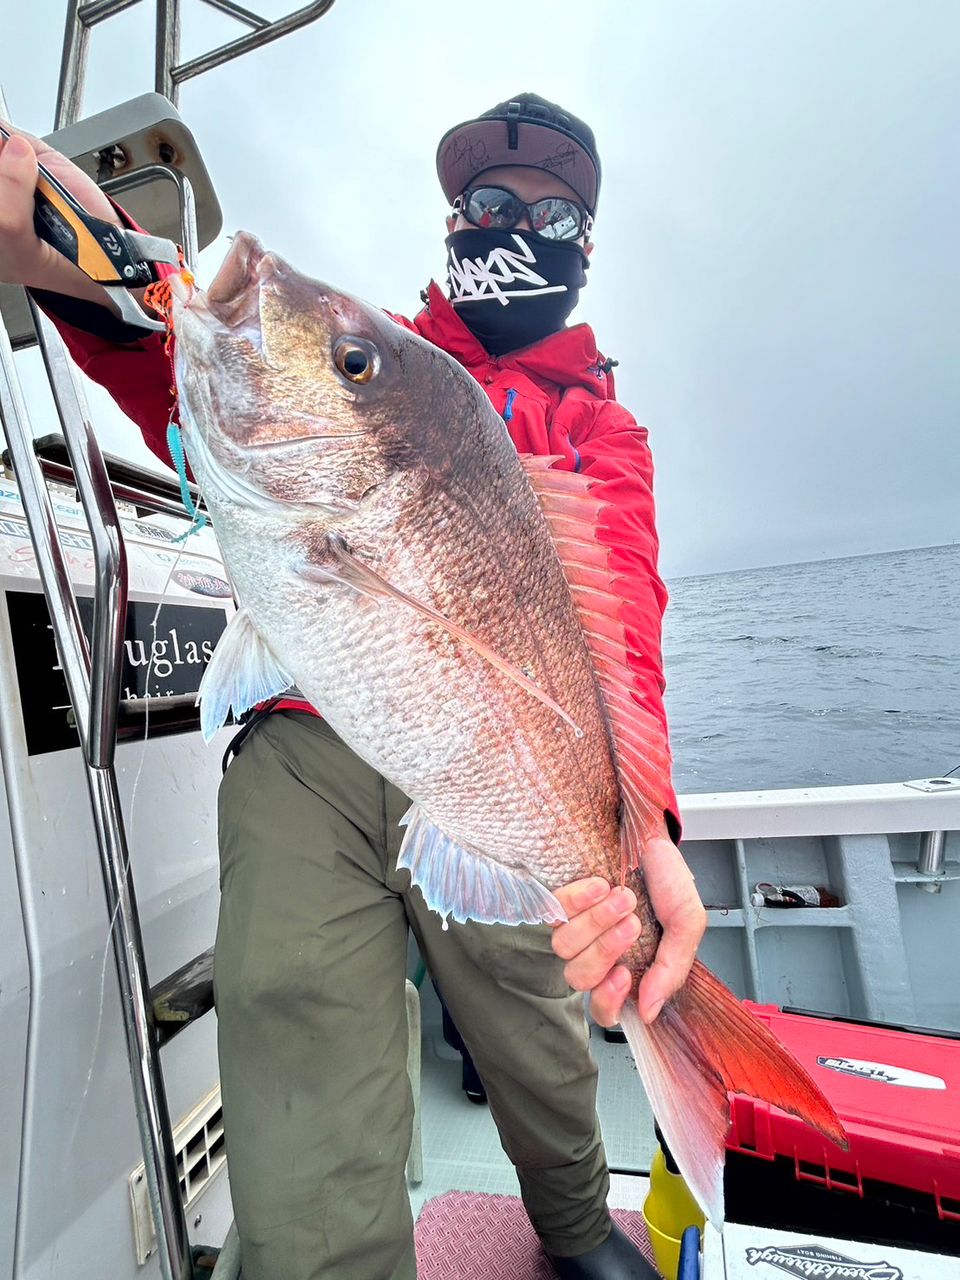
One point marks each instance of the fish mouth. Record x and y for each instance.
(232, 300)
(230, 309)
(232, 304)
(233, 295)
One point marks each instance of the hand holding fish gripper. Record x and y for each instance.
(117, 258)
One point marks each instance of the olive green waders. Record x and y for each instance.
(310, 969)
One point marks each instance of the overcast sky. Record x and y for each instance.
(777, 264)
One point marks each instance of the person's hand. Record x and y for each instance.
(602, 925)
(25, 258)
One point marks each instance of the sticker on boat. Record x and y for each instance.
(882, 1073)
(204, 584)
(813, 1260)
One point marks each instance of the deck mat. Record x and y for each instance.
(466, 1235)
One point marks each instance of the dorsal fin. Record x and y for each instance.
(641, 752)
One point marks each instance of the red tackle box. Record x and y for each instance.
(897, 1091)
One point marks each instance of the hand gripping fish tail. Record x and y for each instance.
(455, 612)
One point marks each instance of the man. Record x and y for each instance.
(311, 943)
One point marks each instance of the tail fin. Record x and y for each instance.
(704, 1044)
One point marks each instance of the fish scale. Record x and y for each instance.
(453, 613)
(484, 783)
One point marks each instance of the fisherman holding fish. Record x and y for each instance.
(311, 946)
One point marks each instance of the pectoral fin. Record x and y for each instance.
(241, 673)
(458, 883)
(350, 571)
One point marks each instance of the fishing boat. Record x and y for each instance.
(833, 909)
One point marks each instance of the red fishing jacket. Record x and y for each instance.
(556, 398)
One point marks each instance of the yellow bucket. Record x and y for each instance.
(668, 1210)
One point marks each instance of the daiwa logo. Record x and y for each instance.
(810, 1260)
(882, 1073)
(476, 279)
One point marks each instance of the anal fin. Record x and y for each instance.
(462, 885)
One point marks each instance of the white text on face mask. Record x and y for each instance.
(477, 279)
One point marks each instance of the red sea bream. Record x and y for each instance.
(445, 604)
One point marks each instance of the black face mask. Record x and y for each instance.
(511, 288)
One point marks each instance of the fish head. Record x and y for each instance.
(295, 393)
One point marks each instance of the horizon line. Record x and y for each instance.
(785, 564)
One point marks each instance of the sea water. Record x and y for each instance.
(823, 673)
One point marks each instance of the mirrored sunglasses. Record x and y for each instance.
(554, 218)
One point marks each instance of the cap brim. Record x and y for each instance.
(469, 149)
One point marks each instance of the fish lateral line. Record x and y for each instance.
(351, 572)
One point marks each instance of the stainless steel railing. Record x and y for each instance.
(188, 206)
(93, 672)
(92, 676)
(82, 15)
(142, 498)
(931, 860)
(110, 558)
(93, 680)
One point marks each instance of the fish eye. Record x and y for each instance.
(357, 359)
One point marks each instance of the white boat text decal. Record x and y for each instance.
(810, 1260)
(882, 1073)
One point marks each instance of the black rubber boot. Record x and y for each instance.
(616, 1259)
(472, 1084)
(470, 1077)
